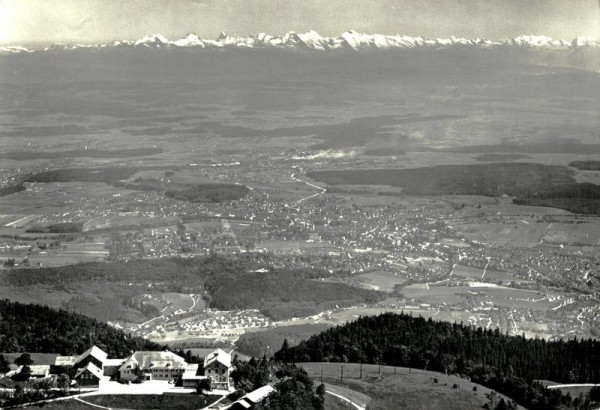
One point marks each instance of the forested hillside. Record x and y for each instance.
(508, 364)
(40, 329)
(530, 183)
(231, 282)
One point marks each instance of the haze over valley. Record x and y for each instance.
(237, 192)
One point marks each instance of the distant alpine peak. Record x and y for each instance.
(311, 40)
(13, 50)
(153, 39)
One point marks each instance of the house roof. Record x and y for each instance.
(65, 360)
(150, 359)
(129, 363)
(258, 395)
(254, 397)
(95, 352)
(92, 369)
(113, 362)
(191, 373)
(39, 369)
(220, 356)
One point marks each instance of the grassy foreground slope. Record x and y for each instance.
(507, 364)
(401, 388)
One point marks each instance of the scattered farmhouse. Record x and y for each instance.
(86, 369)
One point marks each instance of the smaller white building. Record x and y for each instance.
(251, 399)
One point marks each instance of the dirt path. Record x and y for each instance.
(345, 399)
(79, 399)
(356, 399)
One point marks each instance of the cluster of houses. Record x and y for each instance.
(89, 369)
(93, 366)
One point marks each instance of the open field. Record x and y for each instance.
(295, 246)
(66, 404)
(153, 401)
(496, 294)
(470, 272)
(85, 153)
(400, 387)
(342, 316)
(524, 232)
(54, 197)
(382, 280)
(585, 232)
(353, 396)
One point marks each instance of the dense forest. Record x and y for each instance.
(65, 227)
(283, 294)
(531, 184)
(12, 189)
(177, 270)
(266, 342)
(209, 193)
(40, 329)
(508, 364)
(586, 165)
(581, 198)
(516, 179)
(550, 147)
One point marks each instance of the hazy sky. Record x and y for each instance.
(92, 21)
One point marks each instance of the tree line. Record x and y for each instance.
(35, 328)
(508, 364)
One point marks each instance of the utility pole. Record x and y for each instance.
(360, 371)
(342, 373)
(321, 376)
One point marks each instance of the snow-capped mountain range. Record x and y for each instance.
(312, 40)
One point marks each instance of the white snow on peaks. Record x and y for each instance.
(14, 50)
(539, 41)
(585, 42)
(311, 40)
(153, 40)
(191, 40)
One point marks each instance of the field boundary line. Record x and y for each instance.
(91, 404)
